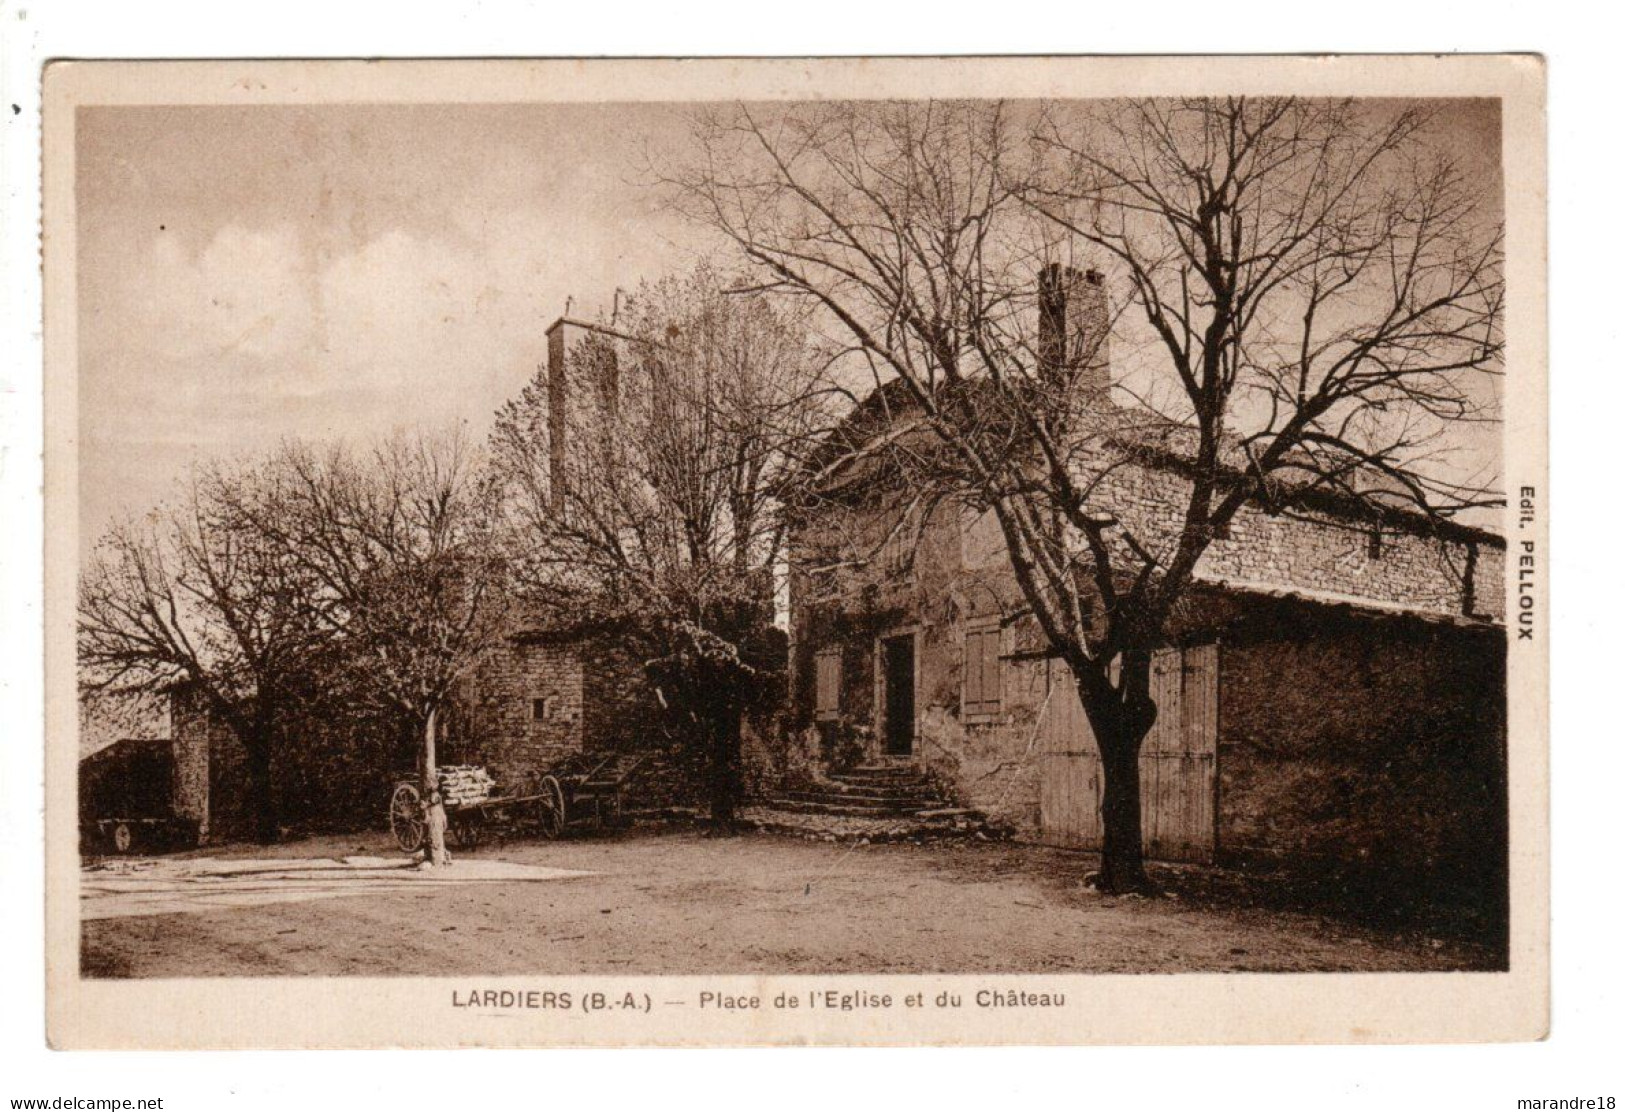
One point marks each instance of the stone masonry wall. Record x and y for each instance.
(501, 730)
(336, 774)
(190, 741)
(1327, 556)
(988, 761)
(1370, 753)
(598, 702)
(211, 770)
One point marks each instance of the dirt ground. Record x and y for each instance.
(681, 903)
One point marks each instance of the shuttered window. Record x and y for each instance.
(828, 698)
(982, 679)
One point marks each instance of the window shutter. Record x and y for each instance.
(990, 670)
(828, 682)
(982, 680)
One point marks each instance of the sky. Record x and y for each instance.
(251, 274)
(248, 274)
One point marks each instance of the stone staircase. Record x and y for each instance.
(869, 803)
(865, 791)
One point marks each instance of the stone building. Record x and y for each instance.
(1332, 689)
(541, 696)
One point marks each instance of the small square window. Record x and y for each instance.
(539, 708)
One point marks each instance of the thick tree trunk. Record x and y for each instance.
(1121, 723)
(726, 732)
(261, 790)
(1122, 852)
(434, 809)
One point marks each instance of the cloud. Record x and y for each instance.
(411, 319)
(250, 276)
(243, 301)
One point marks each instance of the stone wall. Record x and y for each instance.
(990, 762)
(334, 770)
(500, 726)
(1325, 555)
(211, 770)
(1371, 753)
(190, 741)
(598, 701)
(624, 714)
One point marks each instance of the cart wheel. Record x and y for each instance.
(123, 837)
(406, 817)
(465, 831)
(550, 807)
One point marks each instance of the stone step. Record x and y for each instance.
(847, 787)
(876, 799)
(902, 791)
(842, 806)
(871, 780)
(869, 828)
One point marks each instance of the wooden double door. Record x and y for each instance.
(1178, 760)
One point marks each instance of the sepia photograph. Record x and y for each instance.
(832, 554)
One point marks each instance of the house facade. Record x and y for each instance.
(1330, 687)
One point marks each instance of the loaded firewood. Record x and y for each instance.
(465, 785)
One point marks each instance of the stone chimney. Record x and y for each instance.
(557, 396)
(1074, 330)
(579, 398)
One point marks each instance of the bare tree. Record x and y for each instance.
(193, 596)
(1321, 294)
(397, 547)
(658, 514)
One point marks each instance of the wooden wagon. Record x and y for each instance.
(582, 788)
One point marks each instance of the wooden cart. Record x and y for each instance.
(581, 788)
(144, 834)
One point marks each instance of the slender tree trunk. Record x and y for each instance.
(434, 809)
(726, 731)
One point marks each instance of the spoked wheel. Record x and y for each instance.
(123, 837)
(406, 817)
(465, 830)
(550, 807)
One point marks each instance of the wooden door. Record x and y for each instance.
(898, 664)
(1070, 780)
(1178, 762)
